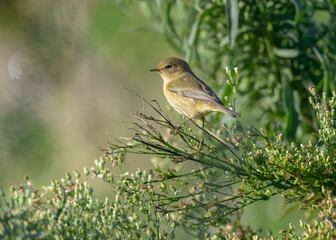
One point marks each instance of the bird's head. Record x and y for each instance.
(171, 68)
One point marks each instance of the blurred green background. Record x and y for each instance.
(63, 72)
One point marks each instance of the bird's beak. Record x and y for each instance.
(155, 70)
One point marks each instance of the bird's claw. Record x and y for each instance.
(174, 131)
(200, 146)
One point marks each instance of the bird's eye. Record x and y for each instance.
(169, 66)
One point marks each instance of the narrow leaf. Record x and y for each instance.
(298, 11)
(286, 52)
(232, 13)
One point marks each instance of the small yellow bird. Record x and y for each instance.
(186, 93)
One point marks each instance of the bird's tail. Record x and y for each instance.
(230, 112)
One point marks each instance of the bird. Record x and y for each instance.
(187, 94)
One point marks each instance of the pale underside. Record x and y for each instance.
(194, 99)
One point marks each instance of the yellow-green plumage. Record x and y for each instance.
(186, 93)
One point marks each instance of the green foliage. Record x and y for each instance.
(204, 191)
(281, 48)
(237, 167)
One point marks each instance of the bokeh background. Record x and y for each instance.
(64, 71)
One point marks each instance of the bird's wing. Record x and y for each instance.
(193, 88)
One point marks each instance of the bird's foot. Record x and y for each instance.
(200, 146)
(174, 130)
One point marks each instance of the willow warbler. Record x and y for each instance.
(186, 93)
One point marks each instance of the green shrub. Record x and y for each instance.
(205, 201)
(281, 48)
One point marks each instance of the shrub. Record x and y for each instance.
(237, 167)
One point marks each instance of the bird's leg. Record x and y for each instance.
(202, 139)
(178, 125)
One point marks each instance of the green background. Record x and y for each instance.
(64, 71)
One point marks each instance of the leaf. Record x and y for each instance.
(286, 52)
(326, 74)
(232, 13)
(292, 117)
(298, 11)
(193, 37)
